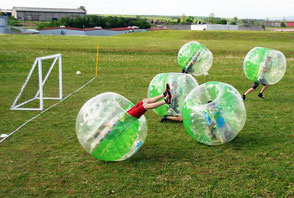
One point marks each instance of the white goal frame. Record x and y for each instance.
(39, 95)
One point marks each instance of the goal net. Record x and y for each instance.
(44, 82)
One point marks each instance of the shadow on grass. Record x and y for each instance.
(180, 152)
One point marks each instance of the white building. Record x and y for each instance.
(214, 27)
(45, 14)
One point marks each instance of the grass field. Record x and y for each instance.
(45, 159)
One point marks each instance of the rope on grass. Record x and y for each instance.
(45, 110)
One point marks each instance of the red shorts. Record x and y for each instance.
(138, 110)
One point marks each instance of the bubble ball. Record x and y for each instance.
(214, 113)
(195, 58)
(180, 85)
(107, 131)
(263, 65)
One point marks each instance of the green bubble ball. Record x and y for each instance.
(180, 85)
(263, 65)
(214, 113)
(195, 58)
(105, 129)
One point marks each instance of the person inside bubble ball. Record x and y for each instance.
(175, 94)
(135, 112)
(178, 117)
(173, 113)
(188, 69)
(264, 69)
(218, 128)
(193, 61)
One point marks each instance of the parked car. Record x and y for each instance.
(32, 31)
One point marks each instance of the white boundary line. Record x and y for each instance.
(42, 112)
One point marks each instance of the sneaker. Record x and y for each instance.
(260, 95)
(167, 89)
(168, 98)
(244, 97)
(163, 119)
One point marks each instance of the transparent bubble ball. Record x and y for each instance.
(263, 65)
(195, 58)
(107, 131)
(180, 85)
(214, 113)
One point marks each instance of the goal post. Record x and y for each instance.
(37, 69)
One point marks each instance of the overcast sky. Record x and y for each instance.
(221, 8)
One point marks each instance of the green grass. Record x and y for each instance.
(45, 158)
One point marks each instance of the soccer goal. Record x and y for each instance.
(35, 89)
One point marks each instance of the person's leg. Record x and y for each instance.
(254, 86)
(153, 105)
(264, 88)
(175, 118)
(220, 135)
(249, 91)
(154, 99)
(139, 109)
(178, 118)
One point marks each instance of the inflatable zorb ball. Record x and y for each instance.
(263, 65)
(195, 58)
(180, 85)
(214, 113)
(107, 131)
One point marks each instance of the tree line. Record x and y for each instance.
(211, 19)
(91, 21)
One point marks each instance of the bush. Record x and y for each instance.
(190, 20)
(13, 22)
(91, 21)
(222, 21)
(234, 21)
(47, 25)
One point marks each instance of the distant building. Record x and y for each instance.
(277, 23)
(5, 12)
(290, 23)
(97, 31)
(45, 14)
(214, 27)
(251, 27)
(3, 21)
(4, 29)
(272, 23)
(178, 27)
